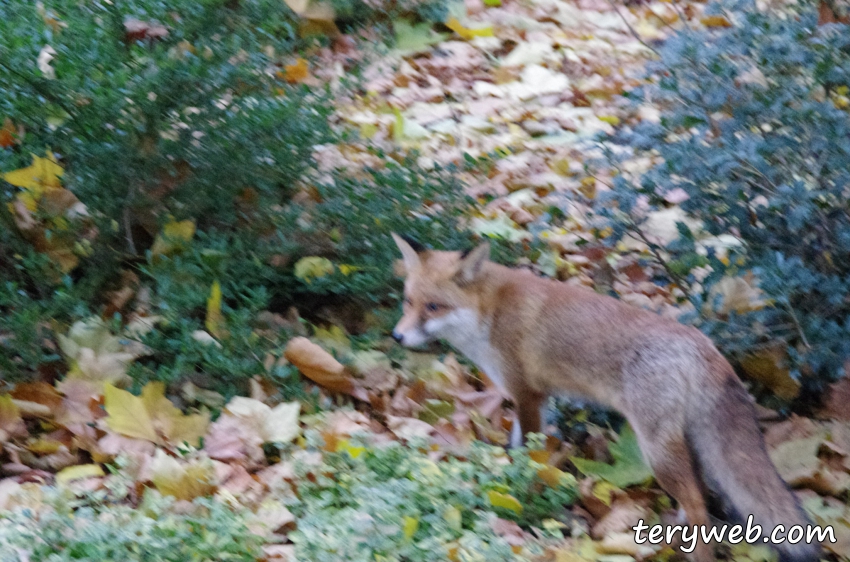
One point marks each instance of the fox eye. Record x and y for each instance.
(433, 307)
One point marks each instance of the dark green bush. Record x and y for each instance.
(755, 129)
(172, 111)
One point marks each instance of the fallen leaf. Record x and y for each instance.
(43, 174)
(7, 134)
(505, 501)
(628, 468)
(715, 21)
(152, 416)
(769, 366)
(838, 397)
(215, 320)
(39, 392)
(230, 439)
(296, 72)
(409, 428)
(45, 56)
(11, 423)
(127, 414)
(78, 472)
(313, 267)
(173, 238)
(184, 481)
(468, 33)
(318, 365)
(415, 38)
(272, 425)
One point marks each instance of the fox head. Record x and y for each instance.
(440, 297)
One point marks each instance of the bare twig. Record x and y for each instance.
(632, 30)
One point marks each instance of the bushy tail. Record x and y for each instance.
(732, 455)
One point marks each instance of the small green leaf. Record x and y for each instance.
(628, 468)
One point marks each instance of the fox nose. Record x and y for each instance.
(397, 337)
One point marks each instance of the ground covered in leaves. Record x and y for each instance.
(397, 455)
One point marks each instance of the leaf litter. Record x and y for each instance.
(523, 85)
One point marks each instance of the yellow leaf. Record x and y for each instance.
(41, 175)
(452, 516)
(610, 119)
(505, 501)
(368, 130)
(68, 475)
(410, 526)
(468, 33)
(168, 421)
(298, 72)
(354, 451)
(215, 321)
(173, 237)
(346, 269)
(44, 446)
(183, 481)
(715, 21)
(313, 267)
(551, 475)
(10, 417)
(602, 491)
(127, 414)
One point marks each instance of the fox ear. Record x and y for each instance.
(409, 253)
(471, 263)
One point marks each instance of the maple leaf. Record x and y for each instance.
(173, 238)
(152, 416)
(628, 468)
(96, 355)
(43, 174)
(272, 425)
(184, 481)
(229, 439)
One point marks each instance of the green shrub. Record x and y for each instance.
(755, 129)
(116, 532)
(189, 119)
(394, 503)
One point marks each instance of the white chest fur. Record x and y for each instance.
(465, 331)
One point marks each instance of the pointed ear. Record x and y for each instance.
(408, 253)
(471, 263)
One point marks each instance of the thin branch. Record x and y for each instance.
(797, 324)
(632, 30)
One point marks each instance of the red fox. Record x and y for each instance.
(535, 337)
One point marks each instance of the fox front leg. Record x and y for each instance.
(529, 405)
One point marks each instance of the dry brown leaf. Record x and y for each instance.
(769, 367)
(183, 480)
(230, 439)
(318, 365)
(837, 403)
(38, 392)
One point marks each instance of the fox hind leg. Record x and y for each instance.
(675, 470)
